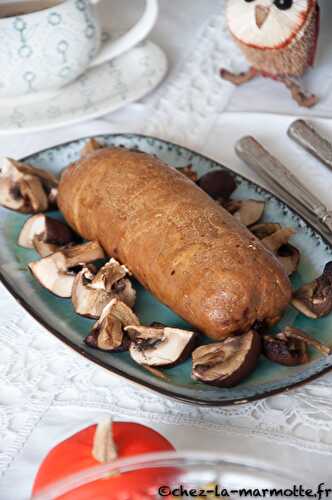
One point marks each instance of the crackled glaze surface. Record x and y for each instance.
(57, 314)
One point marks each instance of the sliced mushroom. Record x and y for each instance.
(123, 313)
(47, 230)
(290, 257)
(295, 333)
(189, 172)
(290, 347)
(160, 347)
(314, 299)
(32, 190)
(91, 293)
(125, 292)
(25, 188)
(16, 169)
(109, 274)
(285, 351)
(227, 363)
(265, 229)
(278, 243)
(90, 146)
(43, 248)
(277, 239)
(88, 301)
(107, 334)
(56, 272)
(219, 184)
(250, 212)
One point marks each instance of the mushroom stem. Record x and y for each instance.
(295, 333)
(104, 448)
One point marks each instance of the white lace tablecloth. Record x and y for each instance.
(48, 392)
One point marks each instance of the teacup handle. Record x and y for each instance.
(134, 36)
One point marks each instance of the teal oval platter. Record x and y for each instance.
(58, 317)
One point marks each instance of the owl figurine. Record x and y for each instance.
(278, 39)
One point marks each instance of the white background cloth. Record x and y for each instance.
(48, 392)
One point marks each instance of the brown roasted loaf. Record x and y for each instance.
(188, 251)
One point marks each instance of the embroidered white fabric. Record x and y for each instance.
(38, 372)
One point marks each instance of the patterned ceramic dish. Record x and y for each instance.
(125, 79)
(58, 317)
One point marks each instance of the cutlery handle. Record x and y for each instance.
(276, 174)
(307, 137)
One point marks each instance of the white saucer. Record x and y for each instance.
(98, 92)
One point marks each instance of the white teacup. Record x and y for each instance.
(46, 44)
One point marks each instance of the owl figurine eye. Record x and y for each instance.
(283, 4)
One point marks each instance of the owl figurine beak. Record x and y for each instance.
(261, 14)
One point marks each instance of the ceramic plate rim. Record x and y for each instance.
(84, 117)
(131, 378)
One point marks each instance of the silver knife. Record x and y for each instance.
(284, 183)
(306, 136)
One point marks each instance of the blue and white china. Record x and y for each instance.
(51, 43)
(125, 79)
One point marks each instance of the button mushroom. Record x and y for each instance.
(290, 347)
(248, 212)
(160, 346)
(91, 293)
(276, 239)
(108, 333)
(56, 272)
(44, 234)
(219, 184)
(227, 363)
(91, 146)
(314, 299)
(25, 188)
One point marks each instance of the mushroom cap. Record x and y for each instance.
(219, 184)
(226, 363)
(284, 351)
(92, 292)
(87, 301)
(10, 196)
(54, 272)
(289, 347)
(25, 188)
(249, 212)
(48, 229)
(160, 347)
(123, 313)
(34, 226)
(44, 249)
(108, 333)
(314, 299)
(57, 281)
